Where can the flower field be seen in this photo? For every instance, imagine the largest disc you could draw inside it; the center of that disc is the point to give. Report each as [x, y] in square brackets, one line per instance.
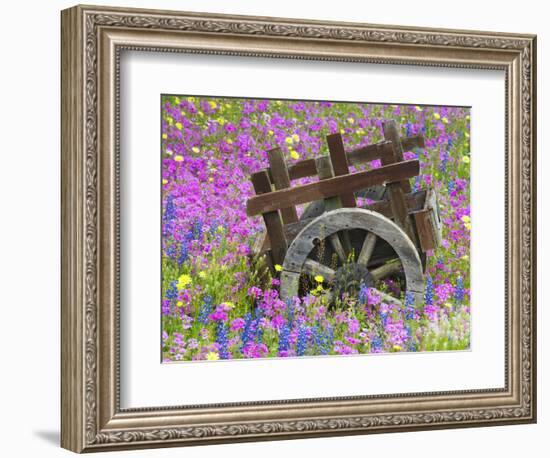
[214, 303]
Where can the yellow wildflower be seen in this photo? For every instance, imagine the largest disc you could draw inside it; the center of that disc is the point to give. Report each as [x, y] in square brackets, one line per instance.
[178, 158]
[437, 116]
[288, 140]
[202, 274]
[201, 114]
[468, 226]
[179, 125]
[278, 267]
[195, 149]
[319, 278]
[191, 99]
[210, 180]
[220, 229]
[164, 181]
[169, 120]
[179, 304]
[229, 304]
[342, 131]
[184, 280]
[467, 135]
[212, 104]
[294, 154]
[468, 117]
[418, 108]
[270, 132]
[444, 120]
[465, 219]
[229, 141]
[465, 257]
[466, 159]
[221, 121]
[177, 101]
[397, 348]
[351, 120]
[164, 136]
[296, 138]
[212, 356]
[448, 305]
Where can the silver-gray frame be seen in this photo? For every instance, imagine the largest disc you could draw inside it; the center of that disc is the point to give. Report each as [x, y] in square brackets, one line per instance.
[92, 40]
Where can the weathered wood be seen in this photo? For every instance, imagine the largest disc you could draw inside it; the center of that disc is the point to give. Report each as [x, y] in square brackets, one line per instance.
[314, 268]
[361, 155]
[386, 269]
[414, 141]
[325, 171]
[281, 180]
[391, 134]
[415, 202]
[272, 219]
[340, 166]
[330, 187]
[424, 230]
[353, 218]
[431, 203]
[397, 195]
[367, 249]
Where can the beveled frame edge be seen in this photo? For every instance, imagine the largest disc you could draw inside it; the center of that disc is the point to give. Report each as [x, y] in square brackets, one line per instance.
[91, 39]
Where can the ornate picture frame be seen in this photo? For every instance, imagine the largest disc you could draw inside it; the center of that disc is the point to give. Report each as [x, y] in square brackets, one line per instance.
[93, 39]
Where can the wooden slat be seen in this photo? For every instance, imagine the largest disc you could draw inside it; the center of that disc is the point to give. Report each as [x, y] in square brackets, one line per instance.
[340, 166]
[307, 168]
[397, 196]
[391, 134]
[415, 202]
[281, 180]
[272, 219]
[313, 268]
[324, 170]
[424, 229]
[414, 141]
[329, 188]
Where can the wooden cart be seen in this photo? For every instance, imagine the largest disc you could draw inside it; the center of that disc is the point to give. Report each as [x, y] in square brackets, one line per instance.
[346, 244]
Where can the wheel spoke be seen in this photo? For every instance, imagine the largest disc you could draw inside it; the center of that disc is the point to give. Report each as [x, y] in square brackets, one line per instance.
[313, 268]
[367, 249]
[384, 270]
[337, 247]
[386, 297]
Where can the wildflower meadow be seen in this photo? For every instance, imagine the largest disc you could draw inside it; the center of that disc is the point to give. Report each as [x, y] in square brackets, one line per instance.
[217, 302]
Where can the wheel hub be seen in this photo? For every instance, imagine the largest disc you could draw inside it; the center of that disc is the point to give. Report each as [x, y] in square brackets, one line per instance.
[349, 279]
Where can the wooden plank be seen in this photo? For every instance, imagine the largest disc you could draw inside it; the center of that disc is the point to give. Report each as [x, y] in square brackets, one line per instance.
[340, 166]
[415, 202]
[361, 155]
[391, 134]
[314, 268]
[324, 169]
[424, 229]
[412, 142]
[330, 187]
[272, 219]
[281, 180]
[397, 196]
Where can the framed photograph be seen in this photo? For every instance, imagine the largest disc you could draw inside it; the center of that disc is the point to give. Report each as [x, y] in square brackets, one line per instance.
[278, 228]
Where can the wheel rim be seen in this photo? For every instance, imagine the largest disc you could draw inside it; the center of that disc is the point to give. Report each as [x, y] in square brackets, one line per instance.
[327, 226]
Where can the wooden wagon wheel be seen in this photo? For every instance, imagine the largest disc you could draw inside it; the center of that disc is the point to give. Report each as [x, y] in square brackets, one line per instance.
[300, 257]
